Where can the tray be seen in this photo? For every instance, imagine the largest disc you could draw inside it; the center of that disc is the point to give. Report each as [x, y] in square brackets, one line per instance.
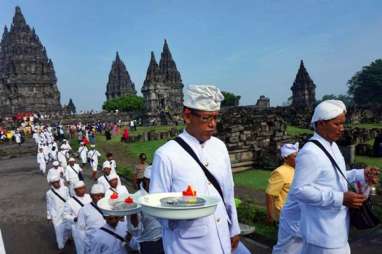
[151, 205]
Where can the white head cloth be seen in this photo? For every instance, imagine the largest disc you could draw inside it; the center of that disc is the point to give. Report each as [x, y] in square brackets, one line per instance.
[97, 189]
[72, 159]
[106, 164]
[203, 97]
[56, 163]
[327, 110]
[79, 184]
[288, 149]
[112, 176]
[92, 146]
[147, 172]
[54, 177]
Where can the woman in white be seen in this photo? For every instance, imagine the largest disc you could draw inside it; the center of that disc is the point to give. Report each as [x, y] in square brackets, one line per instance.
[82, 152]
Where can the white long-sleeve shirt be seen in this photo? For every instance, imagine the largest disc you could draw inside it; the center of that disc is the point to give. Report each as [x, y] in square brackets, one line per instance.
[41, 158]
[72, 207]
[319, 189]
[172, 171]
[121, 189]
[102, 242]
[89, 220]
[55, 206]
[103, 180]
[71, 173]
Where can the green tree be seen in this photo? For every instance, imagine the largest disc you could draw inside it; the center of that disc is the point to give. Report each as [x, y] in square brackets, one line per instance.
[124, 103]
[347, 100]
[366, 85]
[230, 99]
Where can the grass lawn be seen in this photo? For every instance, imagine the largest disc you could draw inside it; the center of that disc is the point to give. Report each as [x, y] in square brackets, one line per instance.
[256, 179]
[367, 125]
[371, 161]
[296, 131]
[148, 147]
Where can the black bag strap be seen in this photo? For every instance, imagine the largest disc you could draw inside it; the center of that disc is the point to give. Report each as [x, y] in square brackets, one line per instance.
[334, 163]
[113, 234]
[208, 174]
[97, 208]
[106, 178]
[58, 195]
[74, 170]
[79, 202]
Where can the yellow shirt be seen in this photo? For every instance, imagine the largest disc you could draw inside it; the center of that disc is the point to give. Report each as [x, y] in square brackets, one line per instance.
[278, 187]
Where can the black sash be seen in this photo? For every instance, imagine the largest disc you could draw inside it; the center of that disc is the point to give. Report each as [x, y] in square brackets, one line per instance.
[113, 234]
[106, 178]
[113, 190]
[208, 174]
[79, 202]
[58, 195]
[97, 208]
[80, 176]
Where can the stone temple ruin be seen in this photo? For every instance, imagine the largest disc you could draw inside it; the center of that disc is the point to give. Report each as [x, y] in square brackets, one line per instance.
[27, 76]
[163, 90]
[304, 95]
[119, 83]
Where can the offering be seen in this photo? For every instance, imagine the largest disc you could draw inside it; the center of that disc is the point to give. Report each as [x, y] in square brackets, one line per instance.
[188, 199]
[119, 205]
[175, 206]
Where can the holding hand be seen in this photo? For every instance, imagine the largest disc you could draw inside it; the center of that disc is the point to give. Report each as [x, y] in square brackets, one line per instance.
[353, 200]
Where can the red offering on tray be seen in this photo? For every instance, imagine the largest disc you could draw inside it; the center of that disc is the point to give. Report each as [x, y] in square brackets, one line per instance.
[114, 196]
[129, 200]
[189, 192]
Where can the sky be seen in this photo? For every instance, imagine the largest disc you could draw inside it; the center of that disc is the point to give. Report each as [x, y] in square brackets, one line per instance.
[248, 47]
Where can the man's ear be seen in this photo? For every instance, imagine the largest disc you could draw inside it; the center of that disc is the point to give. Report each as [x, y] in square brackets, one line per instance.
[187, 117]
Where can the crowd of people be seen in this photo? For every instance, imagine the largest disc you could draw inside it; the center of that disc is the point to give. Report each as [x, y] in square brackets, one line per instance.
[74, 213]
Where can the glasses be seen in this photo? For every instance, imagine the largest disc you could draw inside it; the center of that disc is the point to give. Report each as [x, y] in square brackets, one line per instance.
[205, 118]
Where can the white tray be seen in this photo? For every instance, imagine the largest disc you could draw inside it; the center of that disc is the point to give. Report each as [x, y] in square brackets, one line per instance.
[151, 205]
[105, 207]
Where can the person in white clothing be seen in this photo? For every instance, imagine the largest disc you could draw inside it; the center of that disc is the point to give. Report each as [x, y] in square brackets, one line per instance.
[114, 186]
[66, 148]
[320, 189]
[55, 201]
[90, 217]
[106, 169]
[82, 153]
[62, 159]
[113, 164]
[56, 169]
[71, 210]
[18, 138]
[174, 169]
[73, 174]
[53, 150]
[41, 160]
[93, 155]
[110, 238]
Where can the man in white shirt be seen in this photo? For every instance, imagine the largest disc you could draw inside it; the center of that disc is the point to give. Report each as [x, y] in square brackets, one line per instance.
[71, 210]
[82, 153]
[41, 160]
[55, 202]
[114, 186]
[66, 148]
[106, 169]
[110, 238]
[62, 159]
[113, 164]
[174, 169]
[56, 169]
[319, 189]
[90, 217]
[73, 174]
[93, 155]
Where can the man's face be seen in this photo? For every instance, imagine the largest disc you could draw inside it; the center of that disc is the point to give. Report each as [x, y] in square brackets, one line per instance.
[332, 129]
[291, 160]
[71, 163]
[97, 196]
[201, 124]
[112, 220]
[107, 171]
[113, 183]
[80, 192]
[56, 184]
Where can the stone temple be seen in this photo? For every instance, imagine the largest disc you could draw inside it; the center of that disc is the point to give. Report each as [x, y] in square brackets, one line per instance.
[27, 76]
[119, 83]
[163, 90]
[304, 90]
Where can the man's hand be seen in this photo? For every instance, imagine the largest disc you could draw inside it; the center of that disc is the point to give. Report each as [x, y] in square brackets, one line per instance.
[372, 175]
[235, 241]
[353, 200]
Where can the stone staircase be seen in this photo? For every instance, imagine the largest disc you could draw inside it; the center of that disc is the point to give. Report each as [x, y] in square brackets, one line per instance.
[12, 150]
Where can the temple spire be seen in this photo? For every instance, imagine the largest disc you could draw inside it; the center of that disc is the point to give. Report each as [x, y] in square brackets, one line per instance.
[152, 69]
[303, 88]
[168, 67]
[19, 20]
